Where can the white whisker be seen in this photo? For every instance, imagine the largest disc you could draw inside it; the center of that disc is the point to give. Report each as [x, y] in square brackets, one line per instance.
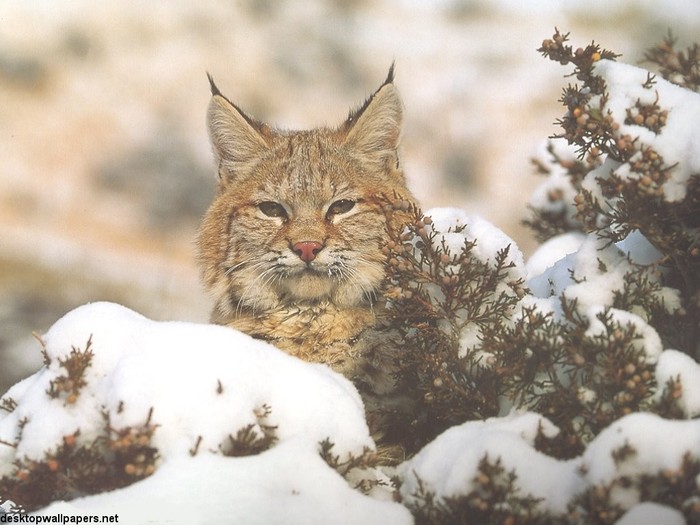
[250, 288]
[351, 273]
[235, 267]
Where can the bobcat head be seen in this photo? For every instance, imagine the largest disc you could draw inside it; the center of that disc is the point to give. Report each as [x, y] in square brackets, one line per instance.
[298, 218]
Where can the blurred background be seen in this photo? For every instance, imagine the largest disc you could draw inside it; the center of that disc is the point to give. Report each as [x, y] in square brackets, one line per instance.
[106, 170]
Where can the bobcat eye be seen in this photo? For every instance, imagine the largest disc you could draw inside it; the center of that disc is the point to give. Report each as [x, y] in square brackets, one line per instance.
[272, 209]
[339, 207]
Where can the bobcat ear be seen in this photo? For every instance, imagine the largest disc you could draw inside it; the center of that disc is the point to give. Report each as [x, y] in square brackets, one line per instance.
[237, 139]
[375, 128]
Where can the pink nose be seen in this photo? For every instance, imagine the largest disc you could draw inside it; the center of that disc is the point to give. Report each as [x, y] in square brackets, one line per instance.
[307, 250]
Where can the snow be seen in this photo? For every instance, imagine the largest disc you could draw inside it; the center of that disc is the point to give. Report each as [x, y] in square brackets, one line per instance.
[203, 382]
[639, 249]
[592, 276]
[647, 341]
[449, 464]
[129, 349]
[552, 251]
[489, 239]
[658, 444]
[651, 514]
[675, 365]
[676, 142]
[596, 272]
[289, 483]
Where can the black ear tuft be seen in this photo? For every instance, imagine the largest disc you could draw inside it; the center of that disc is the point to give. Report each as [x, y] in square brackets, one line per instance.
[215, 90]
[355, 113]
[390, 76]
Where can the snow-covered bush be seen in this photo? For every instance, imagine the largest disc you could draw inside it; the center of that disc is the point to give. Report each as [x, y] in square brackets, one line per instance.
[598, 333]
[122, 398]
[561, 390]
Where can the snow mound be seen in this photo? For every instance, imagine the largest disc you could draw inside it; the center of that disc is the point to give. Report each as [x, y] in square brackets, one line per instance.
[633, 446]
[449, 464]
[552, 251]
[199, 385]
[454, 226]
[289, 483]
[677, 366]
[619, 459]
[651, 514]
[596, 272]
[677, 142]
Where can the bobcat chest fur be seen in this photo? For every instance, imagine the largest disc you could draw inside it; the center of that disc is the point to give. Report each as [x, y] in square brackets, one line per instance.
[290, 248]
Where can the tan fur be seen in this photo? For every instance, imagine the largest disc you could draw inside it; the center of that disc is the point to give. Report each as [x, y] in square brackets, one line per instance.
[321, 310]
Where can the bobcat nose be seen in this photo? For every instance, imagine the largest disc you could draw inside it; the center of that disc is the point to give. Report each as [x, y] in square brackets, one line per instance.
[307, 250]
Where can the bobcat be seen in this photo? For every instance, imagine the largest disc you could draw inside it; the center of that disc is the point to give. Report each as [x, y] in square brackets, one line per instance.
[291, 247]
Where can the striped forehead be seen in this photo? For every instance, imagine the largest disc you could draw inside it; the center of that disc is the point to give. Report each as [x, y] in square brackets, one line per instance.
[308, 169]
